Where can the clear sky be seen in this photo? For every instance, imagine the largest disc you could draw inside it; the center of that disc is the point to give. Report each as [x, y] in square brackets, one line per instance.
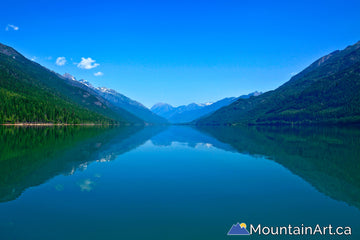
[179, 51]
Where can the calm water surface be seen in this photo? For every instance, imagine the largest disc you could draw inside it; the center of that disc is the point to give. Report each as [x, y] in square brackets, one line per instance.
[175, 182]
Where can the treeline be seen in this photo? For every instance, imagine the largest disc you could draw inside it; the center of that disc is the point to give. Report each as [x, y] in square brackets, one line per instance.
[16, 108]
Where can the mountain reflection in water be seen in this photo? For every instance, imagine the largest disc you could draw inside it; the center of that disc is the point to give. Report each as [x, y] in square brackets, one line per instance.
[200, 179]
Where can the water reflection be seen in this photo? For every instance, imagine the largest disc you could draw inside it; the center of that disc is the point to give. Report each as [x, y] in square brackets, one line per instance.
[31, 156]
[171, 178]
[328, 158]
[86, 185]
[188, 135]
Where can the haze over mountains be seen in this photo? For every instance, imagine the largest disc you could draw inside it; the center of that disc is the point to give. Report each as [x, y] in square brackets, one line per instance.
[188, 113]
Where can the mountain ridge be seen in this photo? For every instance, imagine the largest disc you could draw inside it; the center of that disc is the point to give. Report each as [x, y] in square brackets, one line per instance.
[119, 100]
[192, 111]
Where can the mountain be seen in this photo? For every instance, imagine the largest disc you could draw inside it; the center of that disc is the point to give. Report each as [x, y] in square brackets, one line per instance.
[253, 94]
[32, 93]
[188, 113]
[162, 109]
[131, 106]
[118, 100]
[88, 87]
[327, 92]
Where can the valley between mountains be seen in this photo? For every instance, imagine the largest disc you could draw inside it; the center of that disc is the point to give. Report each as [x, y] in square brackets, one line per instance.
[326, 92]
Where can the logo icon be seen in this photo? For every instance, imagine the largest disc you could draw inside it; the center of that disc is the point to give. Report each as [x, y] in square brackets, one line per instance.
[238, 229]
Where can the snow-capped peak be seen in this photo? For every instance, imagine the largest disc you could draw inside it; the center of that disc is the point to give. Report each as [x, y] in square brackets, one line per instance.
[86, 83]
[69, 76]
[105, 90]
[203, 104]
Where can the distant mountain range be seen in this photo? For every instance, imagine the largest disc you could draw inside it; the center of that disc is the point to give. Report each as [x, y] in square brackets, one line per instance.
[327, 92]
[188, 113]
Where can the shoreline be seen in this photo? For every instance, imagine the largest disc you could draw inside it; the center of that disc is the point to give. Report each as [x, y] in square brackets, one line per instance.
[53, 124]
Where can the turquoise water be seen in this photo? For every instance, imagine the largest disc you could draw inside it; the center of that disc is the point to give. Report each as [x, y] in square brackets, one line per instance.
[176, 182]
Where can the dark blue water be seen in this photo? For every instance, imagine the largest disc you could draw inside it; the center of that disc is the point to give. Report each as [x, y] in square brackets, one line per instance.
[176, 182]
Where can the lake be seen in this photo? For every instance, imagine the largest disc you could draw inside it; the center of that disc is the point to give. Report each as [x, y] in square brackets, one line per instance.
[176, 182]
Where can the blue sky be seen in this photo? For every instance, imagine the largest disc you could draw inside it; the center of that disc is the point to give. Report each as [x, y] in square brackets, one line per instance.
[179, 51]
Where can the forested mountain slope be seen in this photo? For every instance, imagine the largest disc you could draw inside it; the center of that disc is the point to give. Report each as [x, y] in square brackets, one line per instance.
[32, 93]
[327, 92]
